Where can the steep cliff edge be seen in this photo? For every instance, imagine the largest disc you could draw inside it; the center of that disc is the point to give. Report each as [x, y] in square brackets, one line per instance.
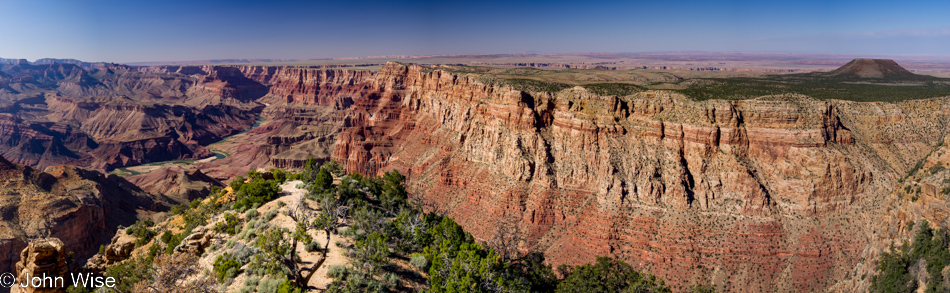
[77, 206]
[304, 113]
[776, 193]
[177, 183]
[117, 115]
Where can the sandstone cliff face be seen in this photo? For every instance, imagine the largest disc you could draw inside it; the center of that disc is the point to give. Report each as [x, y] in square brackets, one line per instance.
[304, 114]
[780, 193]
[62, 113]
[922, 194]
[771, 194]
[78, 206]
[176, 182]
[43, 257]
[310, 87]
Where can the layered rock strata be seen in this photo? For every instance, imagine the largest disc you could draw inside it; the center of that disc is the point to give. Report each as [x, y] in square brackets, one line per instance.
[304, 114]
[776, 193]
[117, 116]
[42, 258]
[76, 205]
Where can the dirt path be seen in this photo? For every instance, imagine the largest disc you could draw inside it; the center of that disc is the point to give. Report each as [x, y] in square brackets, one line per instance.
[320, 281]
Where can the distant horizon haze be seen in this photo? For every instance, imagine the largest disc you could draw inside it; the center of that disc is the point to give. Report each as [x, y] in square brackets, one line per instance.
[157, 31]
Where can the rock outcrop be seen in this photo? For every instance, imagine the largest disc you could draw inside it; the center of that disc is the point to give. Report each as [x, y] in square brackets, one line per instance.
[119, 249]
[304, 114]
[197, 242]
[42, 258]
[770, 194]
[83, 208]
[116, 116]
[780, 193]
[176, 182]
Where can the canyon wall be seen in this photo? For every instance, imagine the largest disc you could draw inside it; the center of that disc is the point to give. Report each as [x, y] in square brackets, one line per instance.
[76, 205]
[780, 193]
[304, 113]
[117, 116]
[776, 193]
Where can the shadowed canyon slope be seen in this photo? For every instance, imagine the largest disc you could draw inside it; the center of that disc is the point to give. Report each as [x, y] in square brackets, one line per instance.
[76, 205]
[779, 193]
[116, 116]
[776, 193]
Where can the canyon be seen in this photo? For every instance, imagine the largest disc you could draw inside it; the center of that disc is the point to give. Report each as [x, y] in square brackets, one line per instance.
[77, 205]
[777, 193]
[115, 115]
[782, 192]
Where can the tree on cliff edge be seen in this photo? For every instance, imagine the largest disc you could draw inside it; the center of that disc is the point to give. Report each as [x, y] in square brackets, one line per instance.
[280, 245]
[610, 275]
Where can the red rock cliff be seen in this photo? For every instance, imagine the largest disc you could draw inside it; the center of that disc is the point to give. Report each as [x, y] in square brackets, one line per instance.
[759, 195]
[78, 206]
[304, 114]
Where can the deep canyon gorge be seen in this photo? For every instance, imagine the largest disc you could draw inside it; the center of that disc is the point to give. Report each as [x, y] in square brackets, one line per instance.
[783, 192]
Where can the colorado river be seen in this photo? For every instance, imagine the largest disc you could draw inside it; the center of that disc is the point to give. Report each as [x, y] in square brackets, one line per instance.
[149, 167]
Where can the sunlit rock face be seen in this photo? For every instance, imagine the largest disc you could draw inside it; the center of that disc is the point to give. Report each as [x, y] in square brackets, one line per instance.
[776, 193]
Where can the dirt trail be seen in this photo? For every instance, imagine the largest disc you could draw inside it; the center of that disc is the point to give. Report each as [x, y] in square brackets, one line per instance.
[320, 281]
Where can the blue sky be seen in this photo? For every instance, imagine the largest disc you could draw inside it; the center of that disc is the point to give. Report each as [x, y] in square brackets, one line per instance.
[165, 30]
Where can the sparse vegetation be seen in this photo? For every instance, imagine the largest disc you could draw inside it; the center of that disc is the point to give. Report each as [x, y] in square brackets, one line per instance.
[614, 89]
[392, 245]
[817, 86]
[532, 85]
[608, 275]
[142, 231]
[927, 254]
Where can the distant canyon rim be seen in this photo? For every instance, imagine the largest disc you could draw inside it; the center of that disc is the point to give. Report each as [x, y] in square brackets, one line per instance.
[781, 192]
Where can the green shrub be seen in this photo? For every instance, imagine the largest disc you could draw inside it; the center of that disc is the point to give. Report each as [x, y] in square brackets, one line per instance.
[268, 285]
[225, 267]
[312, 246]
[251, 282]
[251, 214]
[237, 182]
[287, 287]
[231, 224]
[171, 241]
[391, 279]
[258, 191]
[129, 272]
[337, 272]
[269, 215]
[243, 253]
[609, 275]
[280, 175]
[419, 261]
[142, 231]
